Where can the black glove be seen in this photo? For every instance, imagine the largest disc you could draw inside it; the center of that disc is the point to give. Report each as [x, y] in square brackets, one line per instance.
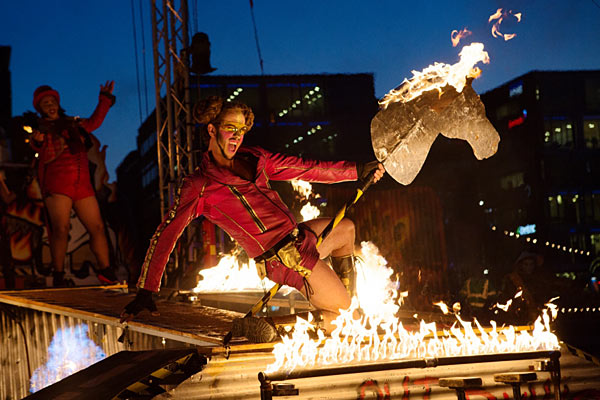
[363, 170]
[111, 97]
[143, 300]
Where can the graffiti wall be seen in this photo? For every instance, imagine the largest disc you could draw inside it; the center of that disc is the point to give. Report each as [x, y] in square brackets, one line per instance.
[24, 224]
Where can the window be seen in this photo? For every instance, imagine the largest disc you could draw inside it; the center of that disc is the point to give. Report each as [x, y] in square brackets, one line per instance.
[289, 101]
[558, 132]
[591, 133]
[247, 93]
[149, 174]
[592, 94]
[592, 206]
[148, 143]
[512, 181]
[595, 240]
[507, 110]
[555, 207]
[565, 207]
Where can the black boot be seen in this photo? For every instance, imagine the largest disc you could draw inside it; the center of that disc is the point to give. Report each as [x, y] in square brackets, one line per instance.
[255, 329]
[345, 270]
[58, 279]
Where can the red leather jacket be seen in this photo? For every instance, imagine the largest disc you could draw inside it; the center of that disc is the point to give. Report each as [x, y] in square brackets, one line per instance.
[251, 212]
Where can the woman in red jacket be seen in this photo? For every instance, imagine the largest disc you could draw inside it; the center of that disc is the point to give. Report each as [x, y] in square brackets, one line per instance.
[63, 173]
[231, 188]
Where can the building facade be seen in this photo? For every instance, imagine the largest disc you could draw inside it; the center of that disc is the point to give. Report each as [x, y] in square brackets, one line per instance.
[542, 188]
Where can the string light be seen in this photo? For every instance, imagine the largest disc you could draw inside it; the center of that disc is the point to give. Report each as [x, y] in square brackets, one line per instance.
[547, 243]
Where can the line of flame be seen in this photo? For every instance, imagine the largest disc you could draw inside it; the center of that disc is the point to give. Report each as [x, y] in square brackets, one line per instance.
[379, 335]
[438, 75]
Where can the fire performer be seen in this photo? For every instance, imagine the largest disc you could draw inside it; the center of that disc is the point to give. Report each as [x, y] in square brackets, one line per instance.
[231, 188]
[63, 173]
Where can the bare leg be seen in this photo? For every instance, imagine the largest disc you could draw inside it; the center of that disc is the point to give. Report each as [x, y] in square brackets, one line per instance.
[339, 242]
[59, 210]
[88, 212]
[329, 294]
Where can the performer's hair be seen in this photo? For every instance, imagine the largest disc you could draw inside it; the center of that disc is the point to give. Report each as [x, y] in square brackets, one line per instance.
[211, 109]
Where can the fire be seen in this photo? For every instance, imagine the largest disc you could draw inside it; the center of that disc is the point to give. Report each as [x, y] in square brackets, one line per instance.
[379, 335]
[505, 307]
[20, 246]
[309, 212]
[456, 36]
[30, 211]
[71, 350]
[499, 16]
[27, 129]
[304, 189]
[438, 75]
[231, 275]
[376, 291]
[442, 307]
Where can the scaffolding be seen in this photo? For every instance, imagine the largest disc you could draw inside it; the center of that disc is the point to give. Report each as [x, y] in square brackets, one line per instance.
[170, 44]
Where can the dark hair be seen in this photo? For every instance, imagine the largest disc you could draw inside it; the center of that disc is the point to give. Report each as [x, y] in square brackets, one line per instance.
[211, 109]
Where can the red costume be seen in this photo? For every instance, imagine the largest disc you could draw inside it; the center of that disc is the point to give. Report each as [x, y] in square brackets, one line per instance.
[250, 211]
[63, 164]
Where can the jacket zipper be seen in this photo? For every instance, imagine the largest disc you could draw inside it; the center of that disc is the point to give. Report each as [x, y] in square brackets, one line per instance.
[275, 204]
[248, 208]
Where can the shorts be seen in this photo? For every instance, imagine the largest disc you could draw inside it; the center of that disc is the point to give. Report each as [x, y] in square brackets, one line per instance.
[68, 175]
[306, 243]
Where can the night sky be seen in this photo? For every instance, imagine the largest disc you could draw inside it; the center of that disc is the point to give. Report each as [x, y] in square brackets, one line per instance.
[76, 45]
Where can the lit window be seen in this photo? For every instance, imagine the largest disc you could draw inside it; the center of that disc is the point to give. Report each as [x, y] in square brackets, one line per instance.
[558, 132]
[591, 133]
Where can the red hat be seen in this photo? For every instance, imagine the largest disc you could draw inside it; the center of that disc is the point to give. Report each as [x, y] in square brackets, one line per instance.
[42, 92]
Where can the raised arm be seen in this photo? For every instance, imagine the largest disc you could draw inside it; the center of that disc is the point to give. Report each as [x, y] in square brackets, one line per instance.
[105, 101]
[280, 167]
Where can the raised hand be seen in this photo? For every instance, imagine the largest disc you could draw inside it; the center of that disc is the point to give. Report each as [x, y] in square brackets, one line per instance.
[108, 87]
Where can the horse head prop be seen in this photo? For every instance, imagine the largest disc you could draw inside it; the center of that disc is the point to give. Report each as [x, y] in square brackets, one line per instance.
[402, 133]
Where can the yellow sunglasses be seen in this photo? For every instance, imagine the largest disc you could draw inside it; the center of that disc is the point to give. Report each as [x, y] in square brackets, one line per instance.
[234, 128]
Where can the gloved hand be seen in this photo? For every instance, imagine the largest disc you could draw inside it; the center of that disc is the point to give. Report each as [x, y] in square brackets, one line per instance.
[363, 170]
[143, 300]
[107, 91]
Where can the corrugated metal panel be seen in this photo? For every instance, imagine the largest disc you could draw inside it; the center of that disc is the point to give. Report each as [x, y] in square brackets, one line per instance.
[405, 223]
[26, 335]
[236, 378]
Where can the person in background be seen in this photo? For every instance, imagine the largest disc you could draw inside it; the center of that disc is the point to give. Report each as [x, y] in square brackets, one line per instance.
[64, 177]
[231, 188]
[537, 283]
[478, 293]
[6, 197]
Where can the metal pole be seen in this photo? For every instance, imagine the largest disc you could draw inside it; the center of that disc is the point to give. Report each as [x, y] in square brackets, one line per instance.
[404, 364]
[158, 34]
[555, 376]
